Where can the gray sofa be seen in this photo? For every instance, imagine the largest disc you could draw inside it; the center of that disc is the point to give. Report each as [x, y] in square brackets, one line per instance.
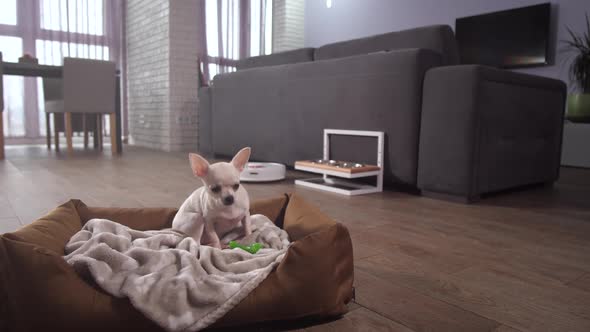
[459, 130]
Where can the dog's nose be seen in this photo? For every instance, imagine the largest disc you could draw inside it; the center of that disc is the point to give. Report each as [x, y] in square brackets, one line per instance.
[228, 200]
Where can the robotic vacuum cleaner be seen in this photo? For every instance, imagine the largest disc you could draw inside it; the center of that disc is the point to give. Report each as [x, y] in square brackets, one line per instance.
[263, 172]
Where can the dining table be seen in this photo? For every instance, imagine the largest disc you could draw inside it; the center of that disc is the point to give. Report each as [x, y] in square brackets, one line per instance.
[49, 71]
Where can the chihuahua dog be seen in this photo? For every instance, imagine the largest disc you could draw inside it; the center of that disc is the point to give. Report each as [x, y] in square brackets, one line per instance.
[219, 206]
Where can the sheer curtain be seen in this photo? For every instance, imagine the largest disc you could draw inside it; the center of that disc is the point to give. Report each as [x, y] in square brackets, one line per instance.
[231, 30]
[51, 30]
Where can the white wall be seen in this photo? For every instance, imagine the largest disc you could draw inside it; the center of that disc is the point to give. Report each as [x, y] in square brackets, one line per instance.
[358, 18]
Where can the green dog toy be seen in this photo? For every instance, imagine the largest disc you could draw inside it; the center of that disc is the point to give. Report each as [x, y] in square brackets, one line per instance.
[253, 248]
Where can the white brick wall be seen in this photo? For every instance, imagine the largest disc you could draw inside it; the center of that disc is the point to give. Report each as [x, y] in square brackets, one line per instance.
[162, 73]
[288, 25]
[183, 75]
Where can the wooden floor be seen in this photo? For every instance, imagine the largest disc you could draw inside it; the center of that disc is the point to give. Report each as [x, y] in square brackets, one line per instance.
[513, 262]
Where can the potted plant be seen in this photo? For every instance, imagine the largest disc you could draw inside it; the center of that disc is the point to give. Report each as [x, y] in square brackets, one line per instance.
[579, 103]
[28, 58]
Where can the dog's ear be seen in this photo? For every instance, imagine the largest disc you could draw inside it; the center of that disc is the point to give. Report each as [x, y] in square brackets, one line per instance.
[199, 164]
[241, 158]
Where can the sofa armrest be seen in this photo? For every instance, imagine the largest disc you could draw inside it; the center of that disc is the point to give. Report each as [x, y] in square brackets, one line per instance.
[485, 130]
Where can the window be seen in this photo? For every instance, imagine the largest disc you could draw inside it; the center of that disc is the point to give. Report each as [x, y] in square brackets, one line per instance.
[52, 30]
[212, 35]
[51, 52]
[260, 20]
[229, 28]
[12, 49]
[74, 16]
[8, 12]
[226, 42]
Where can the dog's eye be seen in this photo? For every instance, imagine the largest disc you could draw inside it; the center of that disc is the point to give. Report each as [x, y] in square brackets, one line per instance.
[216, 189]
[236, 186]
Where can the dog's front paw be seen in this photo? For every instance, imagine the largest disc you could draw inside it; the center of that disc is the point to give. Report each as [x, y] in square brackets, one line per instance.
[247, 225]
[247, 228]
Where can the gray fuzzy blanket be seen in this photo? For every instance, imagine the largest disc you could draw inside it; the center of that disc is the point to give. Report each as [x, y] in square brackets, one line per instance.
[173, 280]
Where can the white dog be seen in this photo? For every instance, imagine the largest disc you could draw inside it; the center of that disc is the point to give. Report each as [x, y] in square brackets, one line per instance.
[219, 206]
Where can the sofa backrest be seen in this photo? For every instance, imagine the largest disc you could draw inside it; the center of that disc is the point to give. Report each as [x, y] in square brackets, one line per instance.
[281, 58]
[439, 38]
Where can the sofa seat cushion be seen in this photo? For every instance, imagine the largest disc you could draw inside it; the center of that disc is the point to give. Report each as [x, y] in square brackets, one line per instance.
[43, 292]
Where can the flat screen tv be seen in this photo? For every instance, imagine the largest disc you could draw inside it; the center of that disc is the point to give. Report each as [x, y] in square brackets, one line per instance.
[507, 39]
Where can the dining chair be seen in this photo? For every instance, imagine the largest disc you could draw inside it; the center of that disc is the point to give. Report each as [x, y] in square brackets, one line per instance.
[1, 108]
[54, 104]
[87, 93]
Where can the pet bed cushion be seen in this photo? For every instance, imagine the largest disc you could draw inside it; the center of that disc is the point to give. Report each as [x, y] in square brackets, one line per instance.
[40, 291]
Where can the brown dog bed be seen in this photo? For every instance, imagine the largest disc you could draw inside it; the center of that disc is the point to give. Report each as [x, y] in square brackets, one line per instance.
[40, 291]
